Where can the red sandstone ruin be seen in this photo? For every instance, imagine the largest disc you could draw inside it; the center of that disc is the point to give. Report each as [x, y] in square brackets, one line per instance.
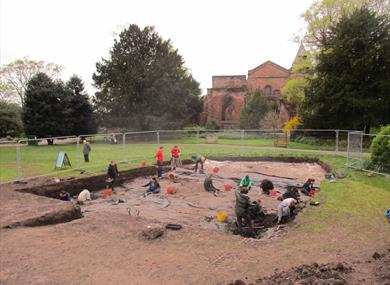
[224, 101]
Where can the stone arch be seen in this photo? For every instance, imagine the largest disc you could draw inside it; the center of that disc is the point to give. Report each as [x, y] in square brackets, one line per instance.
[227, 108]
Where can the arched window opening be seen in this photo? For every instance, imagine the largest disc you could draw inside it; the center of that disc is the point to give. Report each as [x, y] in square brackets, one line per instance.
[267, 90]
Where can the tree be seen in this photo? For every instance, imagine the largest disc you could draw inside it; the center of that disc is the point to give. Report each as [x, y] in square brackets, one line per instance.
[323, 14]
[10, 119]
[293, 91]
[47, 112]
[83, 119]
[350, 89]
[144, 84]
[15, 76]
[271, 121]
[380, 149]
[254, 111]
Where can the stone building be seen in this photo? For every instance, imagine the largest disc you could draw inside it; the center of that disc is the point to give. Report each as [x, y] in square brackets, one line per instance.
[225, 99]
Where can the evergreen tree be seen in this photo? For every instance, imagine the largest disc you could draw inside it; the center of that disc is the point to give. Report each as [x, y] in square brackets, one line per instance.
[10, 119]
[254, 111]
[83, 120]
[351, 85]
[144, 84]
[46, 111]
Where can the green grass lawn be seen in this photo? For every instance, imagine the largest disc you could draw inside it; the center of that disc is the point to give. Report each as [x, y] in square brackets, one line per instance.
[40, 160]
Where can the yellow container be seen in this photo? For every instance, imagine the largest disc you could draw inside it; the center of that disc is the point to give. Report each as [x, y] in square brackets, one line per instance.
[221, 216]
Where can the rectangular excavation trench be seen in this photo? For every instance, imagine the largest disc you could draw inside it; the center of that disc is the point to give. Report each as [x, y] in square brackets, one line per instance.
[177, 201]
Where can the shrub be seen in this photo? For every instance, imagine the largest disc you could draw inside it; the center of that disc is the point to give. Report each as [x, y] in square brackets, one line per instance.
[292, 124]
[212, 125]
[380, 149]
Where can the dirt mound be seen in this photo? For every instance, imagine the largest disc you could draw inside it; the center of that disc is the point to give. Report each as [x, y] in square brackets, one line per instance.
[383, 267]
[374, 271]
[325, 274]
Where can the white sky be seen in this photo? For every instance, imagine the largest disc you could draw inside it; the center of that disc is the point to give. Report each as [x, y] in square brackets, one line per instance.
[215, 37]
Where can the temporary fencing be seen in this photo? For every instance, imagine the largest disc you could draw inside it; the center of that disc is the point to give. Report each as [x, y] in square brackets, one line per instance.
[34, 157]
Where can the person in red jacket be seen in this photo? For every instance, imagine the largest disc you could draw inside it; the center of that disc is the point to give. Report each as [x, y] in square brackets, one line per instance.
[175, 157]
[159, 160]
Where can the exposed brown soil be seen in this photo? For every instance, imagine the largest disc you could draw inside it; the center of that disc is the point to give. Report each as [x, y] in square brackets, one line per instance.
[105, 246]
[331, 273]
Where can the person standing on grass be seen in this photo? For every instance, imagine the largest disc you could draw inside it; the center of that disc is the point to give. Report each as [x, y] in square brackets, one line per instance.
[112, 173]
[159, 160]
[175, 157]
[86, 150]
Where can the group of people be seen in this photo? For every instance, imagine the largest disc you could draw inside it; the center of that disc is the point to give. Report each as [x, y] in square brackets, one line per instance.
[245, 209]
[175, 160]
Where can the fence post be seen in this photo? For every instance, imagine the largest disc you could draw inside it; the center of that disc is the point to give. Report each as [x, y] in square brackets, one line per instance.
[78, 153]
[337, 140]
[158, 137]
[18, 166]
[288, 137]
[242, 141]
[124, 148]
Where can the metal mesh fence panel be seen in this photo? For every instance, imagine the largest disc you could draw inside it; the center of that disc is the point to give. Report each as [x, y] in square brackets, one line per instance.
[313, 139]
[355, 156]
[35, 157]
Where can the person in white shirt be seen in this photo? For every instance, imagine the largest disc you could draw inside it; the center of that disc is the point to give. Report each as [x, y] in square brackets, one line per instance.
[284, 209]
[84, 195]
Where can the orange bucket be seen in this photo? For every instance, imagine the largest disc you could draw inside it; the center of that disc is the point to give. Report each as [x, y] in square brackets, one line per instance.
[107, 193]
[228, 187]
[143, 164]
[171, 190]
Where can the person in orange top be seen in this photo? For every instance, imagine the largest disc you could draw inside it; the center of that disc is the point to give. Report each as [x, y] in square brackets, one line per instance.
[159, 160]
[175, 157]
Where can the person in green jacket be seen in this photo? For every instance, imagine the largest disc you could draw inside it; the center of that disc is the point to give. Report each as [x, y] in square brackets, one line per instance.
[243, 203]
[246, 182]
[198, 159]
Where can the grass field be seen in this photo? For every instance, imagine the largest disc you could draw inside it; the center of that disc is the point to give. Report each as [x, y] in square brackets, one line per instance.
[40, 160]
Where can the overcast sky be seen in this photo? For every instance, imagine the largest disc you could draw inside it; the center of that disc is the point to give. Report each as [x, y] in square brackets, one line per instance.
[215, 37]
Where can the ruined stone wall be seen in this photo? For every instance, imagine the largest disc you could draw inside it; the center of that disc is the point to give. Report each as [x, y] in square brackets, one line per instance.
[215, 103]
[234, 81]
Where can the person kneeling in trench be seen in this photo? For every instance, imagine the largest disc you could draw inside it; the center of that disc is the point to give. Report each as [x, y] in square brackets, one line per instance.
[243, 204]
[208, 185]
[84, 196]
[285, 209]
[154, 187]
[246, 182]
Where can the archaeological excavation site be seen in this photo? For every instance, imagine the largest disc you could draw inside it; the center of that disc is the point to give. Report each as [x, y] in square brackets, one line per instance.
[181, 235]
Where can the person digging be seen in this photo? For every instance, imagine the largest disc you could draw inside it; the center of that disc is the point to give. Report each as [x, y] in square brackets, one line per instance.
[154, 187]
[243, 204]
[208, 185]
[285, 210]
[266, 185]
[246, 182]
[198, 159]
[308, 187]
